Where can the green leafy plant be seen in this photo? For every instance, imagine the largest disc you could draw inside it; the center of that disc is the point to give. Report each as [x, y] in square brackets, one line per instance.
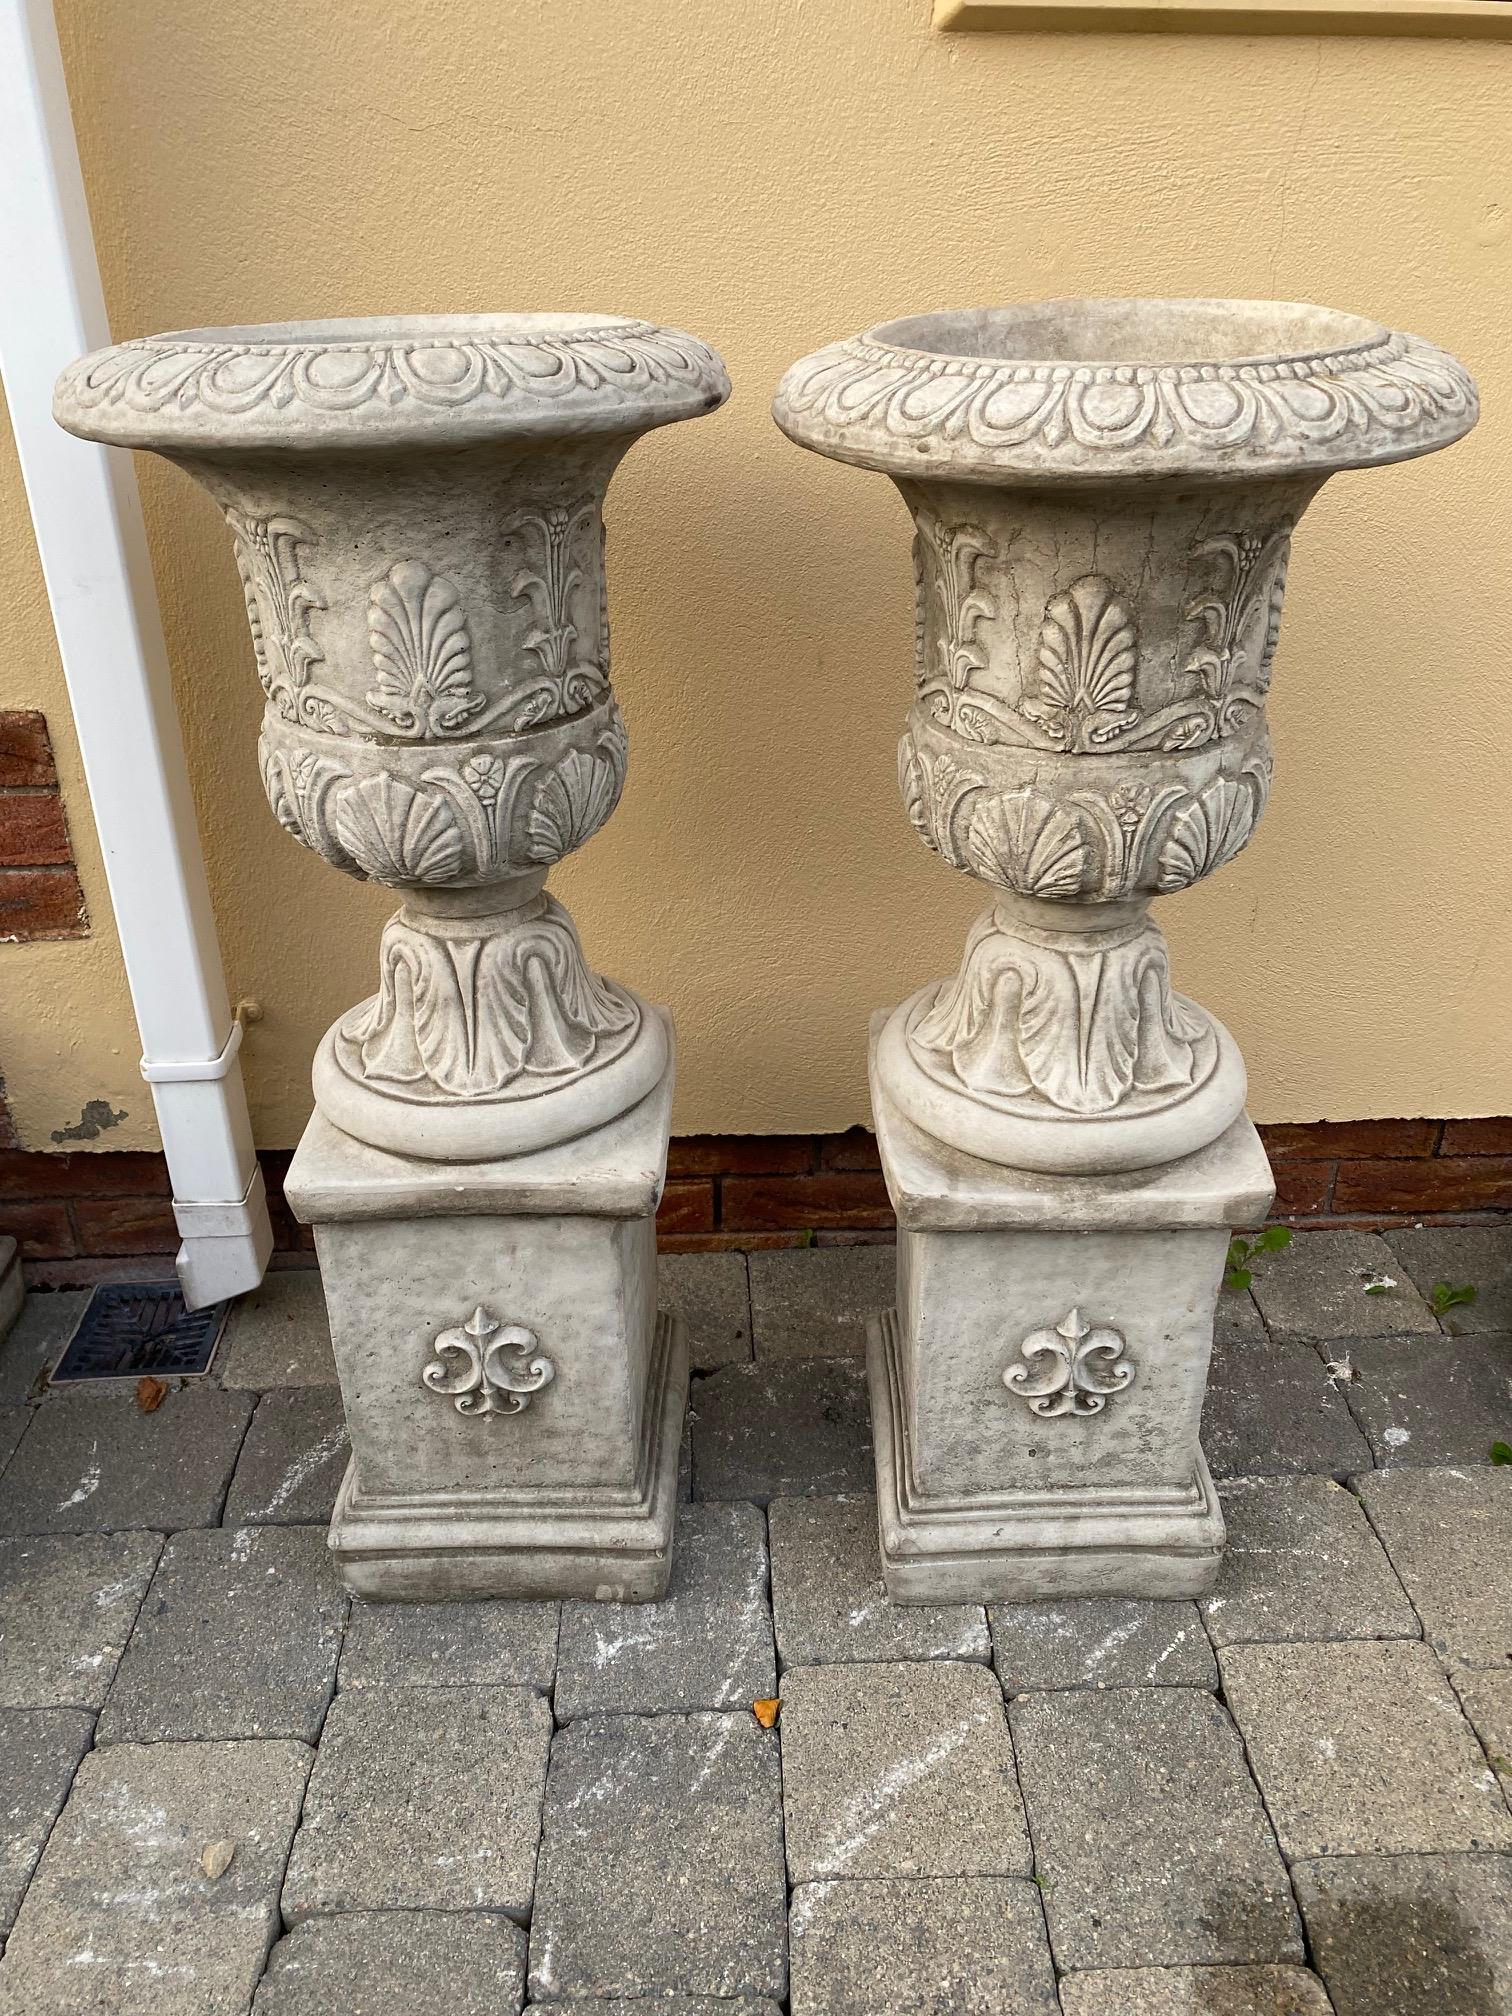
[1501, 1452]
[1446, 1297]
[1238, 1272]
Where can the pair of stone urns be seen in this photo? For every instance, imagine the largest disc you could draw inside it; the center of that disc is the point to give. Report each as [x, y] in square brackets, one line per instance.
[1104, 493]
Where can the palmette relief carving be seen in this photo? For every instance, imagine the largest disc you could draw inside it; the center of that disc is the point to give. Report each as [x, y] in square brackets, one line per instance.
[422, 653]
[1086, 665]
[1080, 1024]
[1086, 1366]
[1081, 688]
[487, 1367]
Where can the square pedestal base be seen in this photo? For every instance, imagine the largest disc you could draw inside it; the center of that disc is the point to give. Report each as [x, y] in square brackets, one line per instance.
[1019, 1546]
[514, 1401]
[433, 1545]
[1037, 1392]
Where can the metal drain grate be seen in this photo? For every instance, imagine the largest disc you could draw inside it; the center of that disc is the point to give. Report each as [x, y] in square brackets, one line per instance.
[132, 1327]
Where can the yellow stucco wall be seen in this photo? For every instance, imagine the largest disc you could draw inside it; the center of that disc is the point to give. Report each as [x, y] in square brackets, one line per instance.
[772, 174]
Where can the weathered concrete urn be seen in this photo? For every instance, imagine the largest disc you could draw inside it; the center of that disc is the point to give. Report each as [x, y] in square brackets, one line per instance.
[1104, 493]
[416, 509]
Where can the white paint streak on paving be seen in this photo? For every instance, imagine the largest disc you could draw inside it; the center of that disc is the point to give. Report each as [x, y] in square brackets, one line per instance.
[89, 1483]
[306, 1464]
[1119, 1635]
[865, 1815]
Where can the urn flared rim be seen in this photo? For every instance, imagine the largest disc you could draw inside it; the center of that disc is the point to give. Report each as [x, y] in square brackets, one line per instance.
[1085, 391]
[370, 383]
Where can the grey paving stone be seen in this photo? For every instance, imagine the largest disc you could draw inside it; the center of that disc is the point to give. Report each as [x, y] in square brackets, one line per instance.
[292, 1462]
[423, 1798]
[1236, 1320]
[827, 1596]
[450, 1645]
[121, 1918]
[278, 1335]
[94, 1463]
[13, 1425]
[1449, 1536]
[967, 1946]
[713, 1297]
[1149, 1835]
[1433, 1399]
[1301, 1561]
[396, 1963]
[1195, 1991]
[1476, 1256]
[1361, 1749]
[1271, 1411]
[1100, 1642]
[708, 1645]
[67, 1605]
[40, 1749]
[1414, 1935]
[817, 1299]
[1487, 1701]
[903, 1769]
[661, 1862]
[1316, 1289]
[37, 1340]
[657, 2005]
[238, 1638]
[794, 1428]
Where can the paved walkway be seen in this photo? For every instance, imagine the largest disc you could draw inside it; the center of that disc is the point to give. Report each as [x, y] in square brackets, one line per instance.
[1289, 1799]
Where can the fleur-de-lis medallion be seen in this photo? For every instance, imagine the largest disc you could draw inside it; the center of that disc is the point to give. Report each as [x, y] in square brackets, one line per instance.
[496, 1367]
[1082, 1372]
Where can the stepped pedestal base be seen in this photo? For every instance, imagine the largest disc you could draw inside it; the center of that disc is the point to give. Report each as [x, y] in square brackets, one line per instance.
[1036, 1394]
[514, 1400]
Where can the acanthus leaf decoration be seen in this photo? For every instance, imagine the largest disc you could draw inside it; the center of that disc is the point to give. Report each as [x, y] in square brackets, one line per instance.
[494, 1368]
[279, 604]
[1086, 1365]
[1239, 622]
[1000, 1027]
[556, 585]
[422, 653]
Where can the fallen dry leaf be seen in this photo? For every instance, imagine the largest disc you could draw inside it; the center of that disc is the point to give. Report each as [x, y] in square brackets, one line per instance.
[151, 1393]
[216, 1858]
[766, 1712]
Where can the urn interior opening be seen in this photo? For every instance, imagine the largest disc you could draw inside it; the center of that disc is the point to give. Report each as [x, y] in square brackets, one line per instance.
[1137, 331]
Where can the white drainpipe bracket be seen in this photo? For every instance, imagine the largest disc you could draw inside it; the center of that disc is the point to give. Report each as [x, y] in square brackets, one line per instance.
[197, 1070]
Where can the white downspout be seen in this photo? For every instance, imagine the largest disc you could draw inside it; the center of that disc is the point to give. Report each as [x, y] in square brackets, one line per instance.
[88, 519]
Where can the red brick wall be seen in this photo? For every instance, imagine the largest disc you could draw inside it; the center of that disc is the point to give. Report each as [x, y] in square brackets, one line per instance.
[40, 895]
[74, 1213]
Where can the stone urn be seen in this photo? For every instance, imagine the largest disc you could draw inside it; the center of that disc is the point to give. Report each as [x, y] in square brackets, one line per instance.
[1104, 494]
[416, 510]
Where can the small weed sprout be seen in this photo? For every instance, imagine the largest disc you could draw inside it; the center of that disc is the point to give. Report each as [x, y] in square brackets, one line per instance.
[1238, 1272]
[1446, 1297]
